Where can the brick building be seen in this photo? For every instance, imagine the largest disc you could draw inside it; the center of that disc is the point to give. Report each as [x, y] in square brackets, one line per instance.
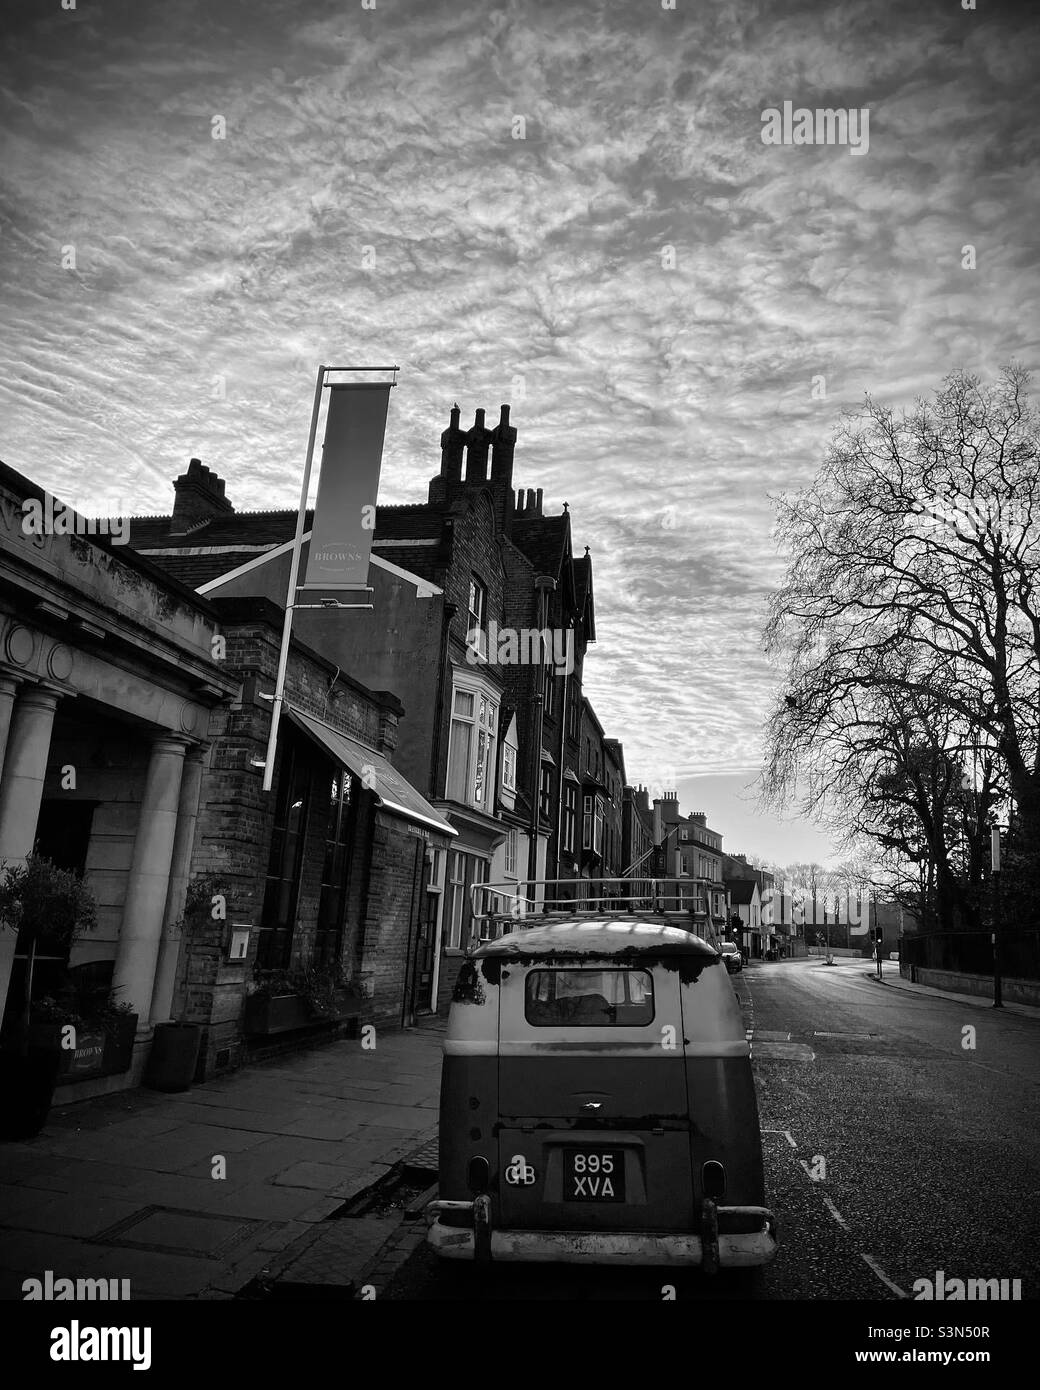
[490, 740]
[637, 831]
[689, 849]
[110, 706]
[133, 719]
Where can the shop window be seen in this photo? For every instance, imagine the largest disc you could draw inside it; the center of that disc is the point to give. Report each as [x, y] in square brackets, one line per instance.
[335, 876]
[285, 863]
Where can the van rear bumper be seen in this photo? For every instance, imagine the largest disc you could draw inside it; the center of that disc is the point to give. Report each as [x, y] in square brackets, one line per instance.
[743, 1251]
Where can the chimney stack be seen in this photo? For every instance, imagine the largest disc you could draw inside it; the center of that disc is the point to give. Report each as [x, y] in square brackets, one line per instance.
[503, 443]
[478, 441]
[198, 496]
[453, 441]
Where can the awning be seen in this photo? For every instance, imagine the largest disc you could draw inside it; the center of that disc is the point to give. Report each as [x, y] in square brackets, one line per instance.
[392, 791]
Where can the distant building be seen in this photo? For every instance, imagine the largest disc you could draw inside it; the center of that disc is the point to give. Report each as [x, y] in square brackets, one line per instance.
[688, 849]
[637, 831]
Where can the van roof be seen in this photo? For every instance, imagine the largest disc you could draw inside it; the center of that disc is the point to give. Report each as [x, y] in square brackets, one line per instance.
[606, 936]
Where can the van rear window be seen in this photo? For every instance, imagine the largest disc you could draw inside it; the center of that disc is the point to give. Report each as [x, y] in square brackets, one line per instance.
[589, 998]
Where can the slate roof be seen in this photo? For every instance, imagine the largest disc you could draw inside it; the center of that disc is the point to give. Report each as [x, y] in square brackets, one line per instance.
[249, 530]
[543, 540]
[741, 891]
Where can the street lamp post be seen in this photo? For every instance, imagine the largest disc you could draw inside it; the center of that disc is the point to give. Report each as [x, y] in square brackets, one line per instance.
[994, 851]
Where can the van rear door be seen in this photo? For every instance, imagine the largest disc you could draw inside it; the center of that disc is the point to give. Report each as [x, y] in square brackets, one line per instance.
[594, 1131]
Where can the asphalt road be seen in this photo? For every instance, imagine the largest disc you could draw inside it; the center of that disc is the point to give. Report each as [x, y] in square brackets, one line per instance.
[929, 1148]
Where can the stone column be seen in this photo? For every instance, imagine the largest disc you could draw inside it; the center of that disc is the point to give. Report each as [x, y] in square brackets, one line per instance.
[149, 881]
[184, 843]
[8, 689]
[21, 791]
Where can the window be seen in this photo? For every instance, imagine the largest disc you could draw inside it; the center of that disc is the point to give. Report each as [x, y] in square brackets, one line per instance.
[510, 852]
[473, 721]
[335, 874]
[282, 889]
[456, 897]
[509, 767]
[550, 691]
[463, 871]
[684, 864]
[570, 816]
[589, 998]
[573, 717]
[545, 793]
[477, 605]
[592, 824]
[684, 834]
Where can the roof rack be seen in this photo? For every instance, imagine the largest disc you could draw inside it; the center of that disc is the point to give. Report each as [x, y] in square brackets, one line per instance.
[535, 902]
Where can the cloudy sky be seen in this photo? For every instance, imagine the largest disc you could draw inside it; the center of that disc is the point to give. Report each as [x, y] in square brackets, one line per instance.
[651, 287]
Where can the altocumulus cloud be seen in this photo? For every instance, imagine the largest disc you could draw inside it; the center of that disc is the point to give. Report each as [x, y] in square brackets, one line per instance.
[651, 287]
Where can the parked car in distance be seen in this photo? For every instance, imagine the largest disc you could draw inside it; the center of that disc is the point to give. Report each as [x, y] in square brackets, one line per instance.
[731, 955]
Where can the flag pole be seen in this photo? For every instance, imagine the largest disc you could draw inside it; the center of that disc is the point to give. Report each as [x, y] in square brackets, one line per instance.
[290, 598]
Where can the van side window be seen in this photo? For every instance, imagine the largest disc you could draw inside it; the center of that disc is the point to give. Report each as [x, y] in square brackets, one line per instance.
[589, 998]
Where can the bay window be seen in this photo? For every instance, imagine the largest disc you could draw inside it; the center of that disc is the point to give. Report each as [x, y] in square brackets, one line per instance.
[471, 748]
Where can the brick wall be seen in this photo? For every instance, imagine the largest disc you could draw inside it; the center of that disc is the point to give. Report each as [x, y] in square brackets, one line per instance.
[233, 837]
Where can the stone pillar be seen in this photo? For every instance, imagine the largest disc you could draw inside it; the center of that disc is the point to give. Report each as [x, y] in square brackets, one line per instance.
[21, 791]
[184, 843]
[149, 881]
[8, 689]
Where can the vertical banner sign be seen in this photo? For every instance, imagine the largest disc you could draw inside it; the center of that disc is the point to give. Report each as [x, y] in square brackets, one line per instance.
[344, 511]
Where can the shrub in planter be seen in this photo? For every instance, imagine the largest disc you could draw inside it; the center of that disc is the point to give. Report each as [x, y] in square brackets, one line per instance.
[48, 907]
[283, 1000]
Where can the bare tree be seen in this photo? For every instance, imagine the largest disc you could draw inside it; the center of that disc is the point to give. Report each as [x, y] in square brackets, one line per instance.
[909, 625]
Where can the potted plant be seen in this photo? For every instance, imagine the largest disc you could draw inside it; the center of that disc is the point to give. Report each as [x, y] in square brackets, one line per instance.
[104, 1029]
[48, 907]
[281, 1001]
[174, 1055]
[328, 995]
[274, 1004]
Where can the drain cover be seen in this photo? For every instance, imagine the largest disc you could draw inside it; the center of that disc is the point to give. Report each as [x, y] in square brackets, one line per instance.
[173, 1231]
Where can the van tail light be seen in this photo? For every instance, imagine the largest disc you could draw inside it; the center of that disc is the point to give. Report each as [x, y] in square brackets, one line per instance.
[713, 1179]
[478, 1175]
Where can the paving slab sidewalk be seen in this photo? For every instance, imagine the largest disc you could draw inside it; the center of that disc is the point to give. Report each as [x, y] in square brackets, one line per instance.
[193, 1195]
[978, 1001]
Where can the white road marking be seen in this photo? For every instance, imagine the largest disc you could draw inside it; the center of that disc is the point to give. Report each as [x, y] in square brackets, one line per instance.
[785, 1132]
[883, 1276]
[854, 1037]
[835, 1213]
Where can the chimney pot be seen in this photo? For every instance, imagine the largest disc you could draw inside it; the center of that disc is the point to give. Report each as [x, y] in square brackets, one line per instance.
[199, 496]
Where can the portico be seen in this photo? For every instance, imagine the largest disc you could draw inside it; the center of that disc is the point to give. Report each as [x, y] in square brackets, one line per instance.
[109, 680]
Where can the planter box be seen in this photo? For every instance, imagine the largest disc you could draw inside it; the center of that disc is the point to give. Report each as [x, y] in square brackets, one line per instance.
[285, 1013]
[279, 1013]
[346, 1004]
[96, 1053]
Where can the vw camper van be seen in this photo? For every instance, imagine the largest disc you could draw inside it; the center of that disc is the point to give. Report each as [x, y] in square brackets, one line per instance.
[597, 1100]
